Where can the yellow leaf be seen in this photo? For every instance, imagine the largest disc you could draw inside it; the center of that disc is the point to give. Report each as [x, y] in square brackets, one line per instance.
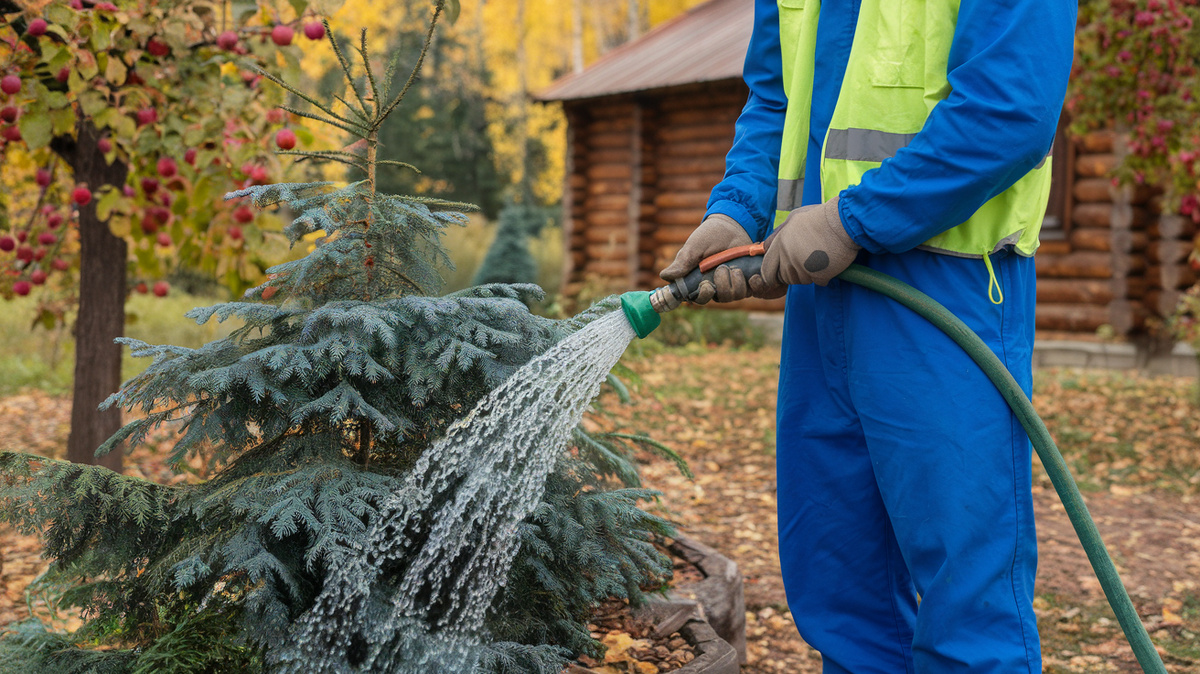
[229, 69]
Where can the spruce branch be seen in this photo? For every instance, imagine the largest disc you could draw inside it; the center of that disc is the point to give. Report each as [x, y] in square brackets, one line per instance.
[412, 77]
[354, 130]
[390, 162]
[358, 113]
[390, 74]
[300, 94]
[366, 59]
[345, 64]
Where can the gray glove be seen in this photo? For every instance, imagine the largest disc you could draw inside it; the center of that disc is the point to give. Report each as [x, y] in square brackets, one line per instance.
[811, 246]
[717, 233]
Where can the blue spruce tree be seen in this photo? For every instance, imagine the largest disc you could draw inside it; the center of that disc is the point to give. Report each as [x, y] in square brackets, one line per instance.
[346, 369]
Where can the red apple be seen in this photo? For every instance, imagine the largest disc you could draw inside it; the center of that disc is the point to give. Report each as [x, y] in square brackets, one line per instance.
[10, 84]
[77, 5]
[22, 236]
[105, 6]
[81, 195]
[142, 288]
[149, 186]
[189, 156]
[227, 40]
[11, 133]
[7, 244]
[128, 190]
[147, 116]
[161, 288]
[47, 239]
[274, 116]
[22, 288]
[157, 47]
[259, 174]
[36, 28]
[43, 177]
[164, 239]
[282, 35]
[167, 167]
[314, 30]
[105, 145]
[285, 139]
[149, 223]
[60, 264]
[63, 74]
[9, 113]
[24, 253]
[54, 221]
[243, 214]
[39, 253]
[37, 277]
[235, 232]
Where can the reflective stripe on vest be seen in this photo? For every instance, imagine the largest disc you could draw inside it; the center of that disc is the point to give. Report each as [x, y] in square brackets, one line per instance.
[895, 76]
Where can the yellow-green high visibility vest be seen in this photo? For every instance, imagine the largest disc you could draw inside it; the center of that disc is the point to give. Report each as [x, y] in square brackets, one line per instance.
[895, 76]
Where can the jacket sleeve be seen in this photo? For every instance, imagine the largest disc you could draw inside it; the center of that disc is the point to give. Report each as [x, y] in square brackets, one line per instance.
[1008, 69]
[747, 192]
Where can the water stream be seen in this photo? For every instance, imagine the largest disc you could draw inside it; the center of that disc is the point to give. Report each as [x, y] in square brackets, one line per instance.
[451, 533]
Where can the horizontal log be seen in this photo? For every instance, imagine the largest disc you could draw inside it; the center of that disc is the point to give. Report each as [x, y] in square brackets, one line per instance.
[1162, 302]
[690, 165]
[699, 116]
[608, 139]
[596, 187]
[693, 183]
[1172, 227]
[606, 220]
[1170, 276]
[1092, 215]
[614, 122]
[713, 99]
[609, 171]
[1088, 264]
[617, 155]
[697, 199]
[607, 251]
[1054, 247]
[1070, 317]
[696, 148]
[676, 234]
[1095, 165]
[1091, 238]
[1090, 190]
[689, 217]
[711, 131]
[1171, 251]
[577, 180]
[608, 202]
[577, 258]
[1142, 195]
[618, 268]
[600, 112]
[1074, 291]
[1136, 287]
[1096, 141]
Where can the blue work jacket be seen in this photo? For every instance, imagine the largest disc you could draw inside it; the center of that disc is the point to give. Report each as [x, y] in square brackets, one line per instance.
[1007, 68]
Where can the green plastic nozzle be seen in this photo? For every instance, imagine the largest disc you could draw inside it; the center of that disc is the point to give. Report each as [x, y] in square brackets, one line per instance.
[641, 315]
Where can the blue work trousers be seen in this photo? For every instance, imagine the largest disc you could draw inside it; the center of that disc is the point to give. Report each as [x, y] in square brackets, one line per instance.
[906, 530]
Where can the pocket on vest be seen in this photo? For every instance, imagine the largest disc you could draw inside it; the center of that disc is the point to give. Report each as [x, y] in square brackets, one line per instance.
[899, 36]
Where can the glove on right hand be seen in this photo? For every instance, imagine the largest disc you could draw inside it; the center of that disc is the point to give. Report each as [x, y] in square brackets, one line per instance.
[716, 234]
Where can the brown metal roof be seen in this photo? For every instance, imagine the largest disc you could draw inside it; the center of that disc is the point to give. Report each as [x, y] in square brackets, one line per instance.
[706, 44]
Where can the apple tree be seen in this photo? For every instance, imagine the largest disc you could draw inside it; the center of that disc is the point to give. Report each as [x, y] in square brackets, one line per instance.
[127, 122]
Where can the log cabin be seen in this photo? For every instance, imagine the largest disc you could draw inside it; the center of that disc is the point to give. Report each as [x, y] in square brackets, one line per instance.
[648, 127]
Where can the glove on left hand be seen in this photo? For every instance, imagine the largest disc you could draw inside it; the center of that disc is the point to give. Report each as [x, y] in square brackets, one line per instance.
[811, 246]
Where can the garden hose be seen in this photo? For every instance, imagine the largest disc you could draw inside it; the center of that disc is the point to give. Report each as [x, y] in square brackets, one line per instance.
[642, 309]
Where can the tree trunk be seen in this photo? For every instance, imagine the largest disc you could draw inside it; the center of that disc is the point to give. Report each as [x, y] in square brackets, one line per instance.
[101, 319]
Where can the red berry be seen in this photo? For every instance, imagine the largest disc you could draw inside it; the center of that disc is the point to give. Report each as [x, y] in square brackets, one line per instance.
[157, 47]
[149, 186]
[63, 74]
[134, 79]
[77, 5]
[161, 288]
[54, 221]
[235, 232]
[12, 133]
[38, 277]
[282, 35]
[10, 84]
[164, 239]
[274, 116]
[7, 243]
[22, 288]
[47, 239]
[147, 116]
[60, 264]
[189, 156]
[149, 223]
[243, 214]
[105, 145]
[259, 174]
[36, 27]
[43, 177]
[142, 288]
[22, 236]
[81, 195]
[285, 139]
[167, 167]
[9, 113]
[105, 6]
[39, 254]
[227, 40]
[127, 190]
[314, 30]
[24, 253]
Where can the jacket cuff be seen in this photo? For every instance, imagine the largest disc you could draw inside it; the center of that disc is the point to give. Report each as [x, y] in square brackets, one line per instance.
[739, 214]
[854, 227]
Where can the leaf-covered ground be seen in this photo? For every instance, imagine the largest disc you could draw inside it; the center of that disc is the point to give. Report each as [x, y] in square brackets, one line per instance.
[1133, 442]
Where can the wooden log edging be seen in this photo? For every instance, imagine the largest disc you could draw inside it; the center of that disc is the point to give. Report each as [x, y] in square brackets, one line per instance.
[720, 593]
[714, 655]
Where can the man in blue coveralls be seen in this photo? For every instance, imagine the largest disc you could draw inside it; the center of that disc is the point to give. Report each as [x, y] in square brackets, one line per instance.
[911, 136]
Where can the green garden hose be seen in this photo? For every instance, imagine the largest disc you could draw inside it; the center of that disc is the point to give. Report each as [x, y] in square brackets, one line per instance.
[642, 309]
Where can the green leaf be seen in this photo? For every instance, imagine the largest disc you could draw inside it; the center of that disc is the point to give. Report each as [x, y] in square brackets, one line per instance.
[452, 8]
[87, 64]
[92, 102]
[62, 121]
[304, 135]
[101, 39]
[299, 6]
[115, 71]
[62, 15]
[107, 202]
[36, 129]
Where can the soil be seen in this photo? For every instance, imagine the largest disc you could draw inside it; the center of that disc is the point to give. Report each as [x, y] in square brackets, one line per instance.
[632, 646]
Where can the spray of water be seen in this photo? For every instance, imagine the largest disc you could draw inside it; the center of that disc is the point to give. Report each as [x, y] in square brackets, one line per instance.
[451, 533]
